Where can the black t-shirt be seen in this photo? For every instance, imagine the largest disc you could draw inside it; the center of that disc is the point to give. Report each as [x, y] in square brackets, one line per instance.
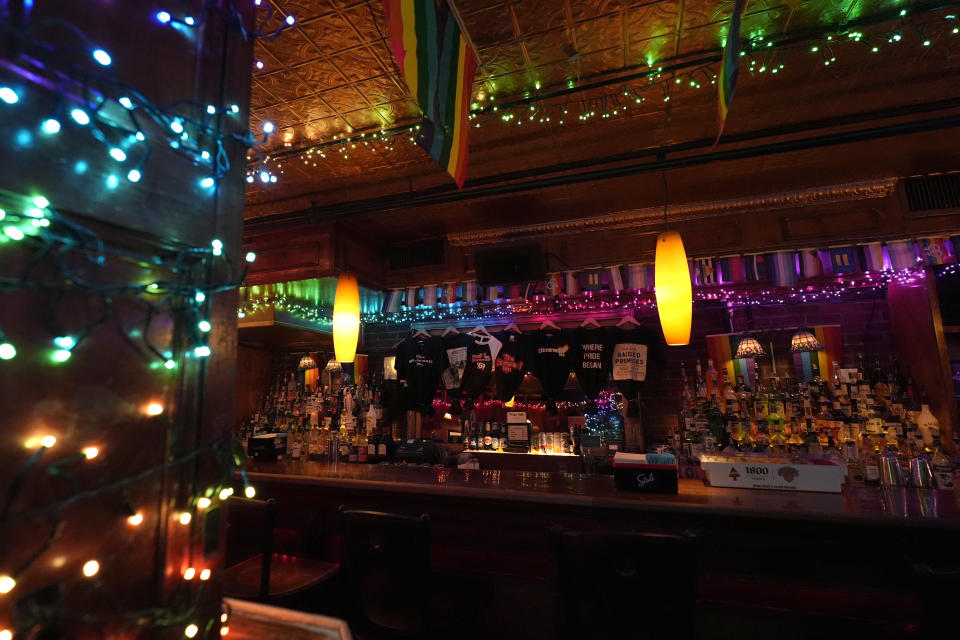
[512, 363]
[591, 353]
[551, 362]
[478, 369]
[419, 363]
[456, 346]
[632, 350]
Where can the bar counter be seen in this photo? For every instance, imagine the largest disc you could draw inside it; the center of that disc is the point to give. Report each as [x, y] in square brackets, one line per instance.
[886, 506]
[825, 554]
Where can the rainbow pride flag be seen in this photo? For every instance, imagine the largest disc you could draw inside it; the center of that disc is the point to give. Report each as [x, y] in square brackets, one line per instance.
[935, 251]
[438, 66]
[730, 66]
[812, 363]
[721, 348]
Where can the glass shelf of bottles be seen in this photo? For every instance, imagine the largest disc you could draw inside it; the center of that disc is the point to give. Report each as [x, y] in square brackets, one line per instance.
[859, 418]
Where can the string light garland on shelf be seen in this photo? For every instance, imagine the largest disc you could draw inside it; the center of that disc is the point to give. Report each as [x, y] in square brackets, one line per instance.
[658, 83]
[828, 288]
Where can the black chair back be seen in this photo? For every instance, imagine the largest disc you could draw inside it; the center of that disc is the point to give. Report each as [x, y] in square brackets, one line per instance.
[250, 526]
[625, 584]
[386, 560]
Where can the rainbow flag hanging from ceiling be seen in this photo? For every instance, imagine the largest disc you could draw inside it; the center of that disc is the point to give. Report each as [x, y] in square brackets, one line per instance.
[438, 66]
[729, 66]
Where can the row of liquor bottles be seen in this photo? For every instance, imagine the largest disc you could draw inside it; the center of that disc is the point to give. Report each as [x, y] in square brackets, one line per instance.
[857, 417]
[290, 406]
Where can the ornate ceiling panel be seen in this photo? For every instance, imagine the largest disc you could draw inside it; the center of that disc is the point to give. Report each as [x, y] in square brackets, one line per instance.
[333, 75]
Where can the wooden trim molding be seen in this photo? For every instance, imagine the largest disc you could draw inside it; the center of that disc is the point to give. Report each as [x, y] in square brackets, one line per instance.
[650, 216]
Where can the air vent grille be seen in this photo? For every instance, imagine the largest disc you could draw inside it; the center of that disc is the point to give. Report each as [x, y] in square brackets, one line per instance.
[420, 254]
[931, 193]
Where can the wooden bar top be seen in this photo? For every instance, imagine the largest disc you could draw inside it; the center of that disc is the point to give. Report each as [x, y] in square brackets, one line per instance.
[888, 506]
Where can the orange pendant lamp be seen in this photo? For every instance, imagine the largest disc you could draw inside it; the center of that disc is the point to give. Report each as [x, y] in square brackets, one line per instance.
[674, 292]
[346, 318]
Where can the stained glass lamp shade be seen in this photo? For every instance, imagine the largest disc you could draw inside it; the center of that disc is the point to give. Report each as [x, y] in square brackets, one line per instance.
[749, 348]
[804, 341]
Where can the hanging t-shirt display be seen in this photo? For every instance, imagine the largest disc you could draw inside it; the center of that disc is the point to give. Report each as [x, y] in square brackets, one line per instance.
[419, 364]
[511, 364]
[591, 357]
[551, 361]
[479, 366]
[632, 351]
[456, 346]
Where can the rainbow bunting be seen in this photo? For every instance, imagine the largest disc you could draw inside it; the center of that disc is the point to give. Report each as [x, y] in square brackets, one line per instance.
[730, 269]
[704, 271]
[872, 256]
[438, 66]
[782, 267]
[935, 251]
[391, 302]
[470, 292]
[554, 284]
[811, 266]
[639, 276]
[730, 66]
[902, 254]
[430, 295]
[450, 293]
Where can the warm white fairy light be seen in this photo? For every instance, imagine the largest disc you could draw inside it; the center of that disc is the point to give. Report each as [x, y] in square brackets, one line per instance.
[7, 583]
[91, 568]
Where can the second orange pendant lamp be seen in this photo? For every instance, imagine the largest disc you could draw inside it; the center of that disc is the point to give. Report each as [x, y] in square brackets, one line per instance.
[671, 277]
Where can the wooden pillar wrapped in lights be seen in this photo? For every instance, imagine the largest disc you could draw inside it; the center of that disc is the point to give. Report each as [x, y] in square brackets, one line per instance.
[346, 318]
[673, 289]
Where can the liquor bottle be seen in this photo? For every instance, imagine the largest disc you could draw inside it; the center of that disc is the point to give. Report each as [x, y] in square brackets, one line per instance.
[495, 438]
[927, 423]
[487, 437]
[724, 383]
[879, 382]
[871, 462]
[897, 384]
[731, 406]
[701, 385]
[711, 379]
[685, 394]
[942, 469]
[475, 442]
[742, 393]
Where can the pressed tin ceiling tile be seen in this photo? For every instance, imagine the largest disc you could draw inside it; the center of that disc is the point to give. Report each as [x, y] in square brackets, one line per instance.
[333, 72]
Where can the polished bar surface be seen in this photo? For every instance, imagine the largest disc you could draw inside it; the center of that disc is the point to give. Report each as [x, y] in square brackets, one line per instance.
[889, 506]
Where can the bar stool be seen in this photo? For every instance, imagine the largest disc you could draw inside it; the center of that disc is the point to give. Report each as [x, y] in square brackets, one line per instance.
[614, 584]
[386, 561]
[937, 588]
[253, 571]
